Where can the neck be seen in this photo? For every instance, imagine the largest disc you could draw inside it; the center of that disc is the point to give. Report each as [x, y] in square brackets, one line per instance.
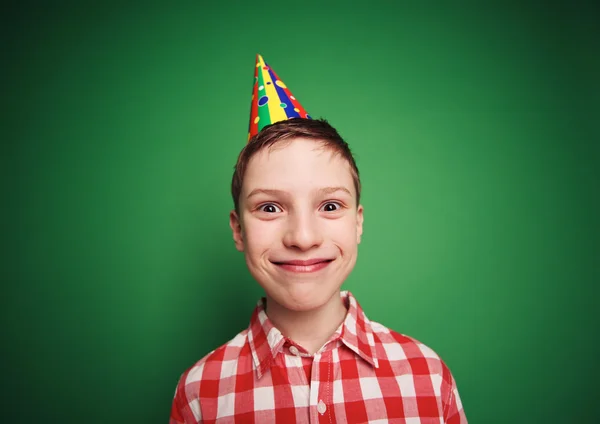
[309, 329]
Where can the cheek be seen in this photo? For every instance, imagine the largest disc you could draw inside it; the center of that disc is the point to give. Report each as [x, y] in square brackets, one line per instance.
[259, 236]
[343, 233]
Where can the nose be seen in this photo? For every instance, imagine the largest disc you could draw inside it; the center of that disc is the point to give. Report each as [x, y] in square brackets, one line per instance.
[302, 232]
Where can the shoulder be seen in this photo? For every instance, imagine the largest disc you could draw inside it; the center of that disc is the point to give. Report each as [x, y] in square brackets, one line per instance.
[202, 379]
[405, 351]
[215, 364]
[418, 369]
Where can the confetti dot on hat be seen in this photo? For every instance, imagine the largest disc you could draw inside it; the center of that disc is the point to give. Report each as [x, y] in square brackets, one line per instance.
[280, 83]
[262, 87]
[256, 119]
[283, 105]
[296, 109]
[263, 100]
[292, 97]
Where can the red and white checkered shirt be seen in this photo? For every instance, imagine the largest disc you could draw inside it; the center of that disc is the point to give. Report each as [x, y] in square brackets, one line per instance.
[365, 373]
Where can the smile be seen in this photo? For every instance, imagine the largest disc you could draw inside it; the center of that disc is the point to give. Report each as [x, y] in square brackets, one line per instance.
[312, 265]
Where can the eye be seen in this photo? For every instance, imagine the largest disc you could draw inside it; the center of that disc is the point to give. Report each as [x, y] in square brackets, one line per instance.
[331, 207]
[270, 208]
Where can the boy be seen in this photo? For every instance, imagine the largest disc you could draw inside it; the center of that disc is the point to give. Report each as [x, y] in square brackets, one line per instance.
[309, 355]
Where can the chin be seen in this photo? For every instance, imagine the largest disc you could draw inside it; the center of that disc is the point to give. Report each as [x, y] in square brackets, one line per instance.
[302, 297]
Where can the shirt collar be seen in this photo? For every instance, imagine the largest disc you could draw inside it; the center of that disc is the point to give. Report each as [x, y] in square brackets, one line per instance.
[266, 341]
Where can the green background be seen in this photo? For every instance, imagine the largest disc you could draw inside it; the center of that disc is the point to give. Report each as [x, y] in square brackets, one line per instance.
[476, 131]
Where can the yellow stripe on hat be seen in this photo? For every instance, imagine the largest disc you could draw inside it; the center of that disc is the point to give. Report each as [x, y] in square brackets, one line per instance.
[275, 110]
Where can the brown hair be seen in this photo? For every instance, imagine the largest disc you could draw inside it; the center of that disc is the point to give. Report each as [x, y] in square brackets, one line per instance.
[315, 129]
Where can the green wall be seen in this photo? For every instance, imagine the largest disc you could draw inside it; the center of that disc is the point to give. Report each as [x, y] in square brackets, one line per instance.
[476, 130]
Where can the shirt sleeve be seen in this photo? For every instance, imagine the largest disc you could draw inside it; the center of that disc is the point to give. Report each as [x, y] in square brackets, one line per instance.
[453, 409]
[183, 410]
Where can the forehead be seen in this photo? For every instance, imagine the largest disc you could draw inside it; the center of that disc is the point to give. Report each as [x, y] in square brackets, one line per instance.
[298, 164]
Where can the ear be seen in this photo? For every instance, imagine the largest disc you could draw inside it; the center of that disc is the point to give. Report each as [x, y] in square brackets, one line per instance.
[359, 223]
[236, 228]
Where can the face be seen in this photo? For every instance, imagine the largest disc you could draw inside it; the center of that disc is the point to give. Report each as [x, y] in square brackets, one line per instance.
[299, 225]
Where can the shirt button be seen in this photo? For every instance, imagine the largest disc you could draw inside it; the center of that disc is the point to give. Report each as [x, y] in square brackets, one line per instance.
[321, 407]
[294, 350]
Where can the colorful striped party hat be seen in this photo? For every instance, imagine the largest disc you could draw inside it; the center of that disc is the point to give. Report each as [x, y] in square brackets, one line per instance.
[272, 101]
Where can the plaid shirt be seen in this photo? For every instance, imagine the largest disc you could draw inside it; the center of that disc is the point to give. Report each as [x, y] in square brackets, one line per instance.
[364, 373]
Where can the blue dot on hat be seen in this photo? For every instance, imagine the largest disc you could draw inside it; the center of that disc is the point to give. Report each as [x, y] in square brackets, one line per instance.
[308, 116]
[263, 100]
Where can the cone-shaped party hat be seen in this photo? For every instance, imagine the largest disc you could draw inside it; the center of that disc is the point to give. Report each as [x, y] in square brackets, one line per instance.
[272, 101]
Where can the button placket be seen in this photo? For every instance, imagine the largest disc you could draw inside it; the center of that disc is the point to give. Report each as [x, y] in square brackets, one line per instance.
[315, 396]
[325, 383]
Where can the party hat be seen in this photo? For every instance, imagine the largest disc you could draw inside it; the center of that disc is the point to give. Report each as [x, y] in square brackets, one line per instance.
[272, 101]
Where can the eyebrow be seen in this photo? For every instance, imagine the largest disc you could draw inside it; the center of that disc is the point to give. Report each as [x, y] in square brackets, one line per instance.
[272, 192]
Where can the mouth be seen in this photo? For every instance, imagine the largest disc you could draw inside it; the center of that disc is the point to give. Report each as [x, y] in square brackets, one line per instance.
[298, 266]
